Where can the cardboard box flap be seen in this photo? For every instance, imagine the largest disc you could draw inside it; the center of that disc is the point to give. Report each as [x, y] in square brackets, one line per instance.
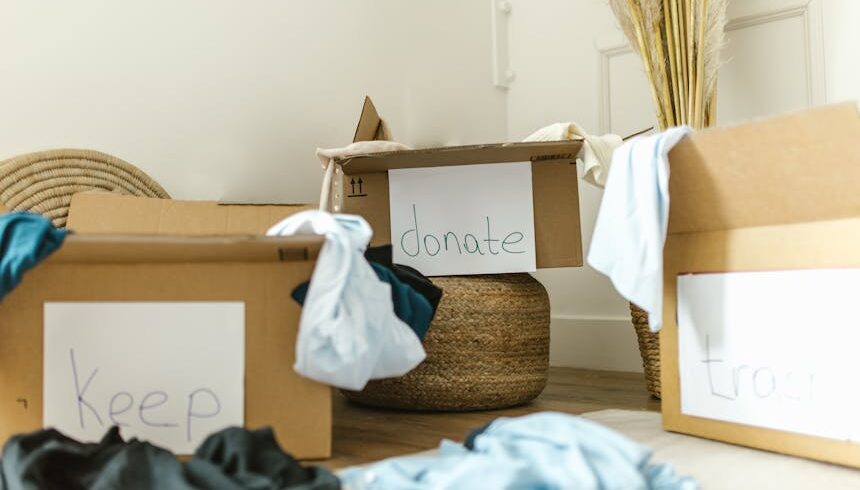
[461, 155]
[370, 126]
[796, 168]
[103, 212]
[157, 249]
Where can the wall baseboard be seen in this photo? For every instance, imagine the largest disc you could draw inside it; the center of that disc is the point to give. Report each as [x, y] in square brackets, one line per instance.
[594, 343]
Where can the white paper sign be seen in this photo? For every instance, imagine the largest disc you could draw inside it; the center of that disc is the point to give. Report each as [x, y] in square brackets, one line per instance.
[779, 350]
[169, 373]
[468, 219]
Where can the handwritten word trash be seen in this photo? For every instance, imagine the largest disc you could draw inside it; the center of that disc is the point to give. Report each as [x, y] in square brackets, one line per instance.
[773, 349]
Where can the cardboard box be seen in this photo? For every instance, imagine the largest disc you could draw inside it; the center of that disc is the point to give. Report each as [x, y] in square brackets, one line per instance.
[776, 195]
[259, 271]
[554, 179]
[103, 212]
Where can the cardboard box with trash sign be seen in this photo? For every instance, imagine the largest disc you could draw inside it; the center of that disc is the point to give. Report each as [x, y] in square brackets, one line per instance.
[761, 272]
[169, 337]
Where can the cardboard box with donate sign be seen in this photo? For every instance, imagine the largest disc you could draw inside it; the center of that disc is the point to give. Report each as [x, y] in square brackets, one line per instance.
[362, 187]
[172, 333]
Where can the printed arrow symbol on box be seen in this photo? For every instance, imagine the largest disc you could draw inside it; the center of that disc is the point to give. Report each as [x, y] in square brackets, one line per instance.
[352, 183]
[360, 182]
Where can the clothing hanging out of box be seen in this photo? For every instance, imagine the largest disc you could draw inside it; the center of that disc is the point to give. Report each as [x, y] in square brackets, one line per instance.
[349, 333]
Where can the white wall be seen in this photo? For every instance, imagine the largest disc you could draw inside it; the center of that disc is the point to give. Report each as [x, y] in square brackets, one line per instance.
[572, 63]
[841, 21]
[227, 99]
[553, 51]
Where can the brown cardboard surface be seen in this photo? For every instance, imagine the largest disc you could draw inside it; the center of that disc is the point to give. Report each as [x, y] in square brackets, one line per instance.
[793, 207]
[556, 208]
[369, 123]
[790, 169]
[558, 242]
[460, 155]
[104, 269]
[780, 247]
[103, 212]
[147, 248]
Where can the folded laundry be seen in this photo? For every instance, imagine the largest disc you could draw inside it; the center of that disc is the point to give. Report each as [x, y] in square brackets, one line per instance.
[25, 240]
[627, 244]
[348, 332]
[596, 152]
[544, 450]
[410, 306]
[232, 459]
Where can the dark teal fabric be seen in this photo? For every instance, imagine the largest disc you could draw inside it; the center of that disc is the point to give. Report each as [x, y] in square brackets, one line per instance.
[25, 240]
[409, 305]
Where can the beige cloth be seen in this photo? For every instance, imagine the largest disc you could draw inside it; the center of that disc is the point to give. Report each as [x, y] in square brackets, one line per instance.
[595, 155]
[717, 465]
[328, 160]
[357, 148]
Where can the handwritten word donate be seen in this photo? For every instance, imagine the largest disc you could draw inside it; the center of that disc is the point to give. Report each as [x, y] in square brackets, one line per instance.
[415, 241]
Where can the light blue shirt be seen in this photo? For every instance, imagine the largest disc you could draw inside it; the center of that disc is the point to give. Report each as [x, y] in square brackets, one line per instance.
[348, 332]
[539, 451]
[627, 244]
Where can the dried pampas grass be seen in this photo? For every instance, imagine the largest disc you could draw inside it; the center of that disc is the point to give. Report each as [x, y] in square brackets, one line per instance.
[679, 42]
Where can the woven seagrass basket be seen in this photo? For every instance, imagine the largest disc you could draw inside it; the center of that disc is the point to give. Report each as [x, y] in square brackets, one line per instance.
[44, 182]
[488, 347]
[649, 349]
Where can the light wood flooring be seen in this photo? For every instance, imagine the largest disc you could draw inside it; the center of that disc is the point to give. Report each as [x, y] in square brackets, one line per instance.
[362, 435]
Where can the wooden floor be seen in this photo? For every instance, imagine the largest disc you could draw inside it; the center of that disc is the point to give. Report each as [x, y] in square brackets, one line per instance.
[362, 435]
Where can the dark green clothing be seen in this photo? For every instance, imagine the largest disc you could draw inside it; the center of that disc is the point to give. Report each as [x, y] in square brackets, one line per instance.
[232, 459]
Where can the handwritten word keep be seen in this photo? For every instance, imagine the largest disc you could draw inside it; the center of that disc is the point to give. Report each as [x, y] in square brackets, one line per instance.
[125, 409]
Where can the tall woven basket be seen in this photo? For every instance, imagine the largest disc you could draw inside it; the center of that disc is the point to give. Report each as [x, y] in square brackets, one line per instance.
[488, 347]
[649, 349]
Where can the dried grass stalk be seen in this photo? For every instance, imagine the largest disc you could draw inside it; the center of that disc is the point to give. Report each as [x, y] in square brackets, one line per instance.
[679, 42]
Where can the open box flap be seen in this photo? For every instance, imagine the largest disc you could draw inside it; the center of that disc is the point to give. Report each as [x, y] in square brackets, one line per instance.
[796, 168]
[160, 249]
[371, 127]
[461, 155]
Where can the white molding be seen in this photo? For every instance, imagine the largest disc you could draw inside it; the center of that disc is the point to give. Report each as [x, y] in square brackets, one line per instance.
[500, 12]
[766, 17]
[604, 117]
[814, 27]
[606, 343]
[810, 13]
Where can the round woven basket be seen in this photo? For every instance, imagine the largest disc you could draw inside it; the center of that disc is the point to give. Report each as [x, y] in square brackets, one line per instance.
[488, 347]
[44, 182]
[649, 349]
